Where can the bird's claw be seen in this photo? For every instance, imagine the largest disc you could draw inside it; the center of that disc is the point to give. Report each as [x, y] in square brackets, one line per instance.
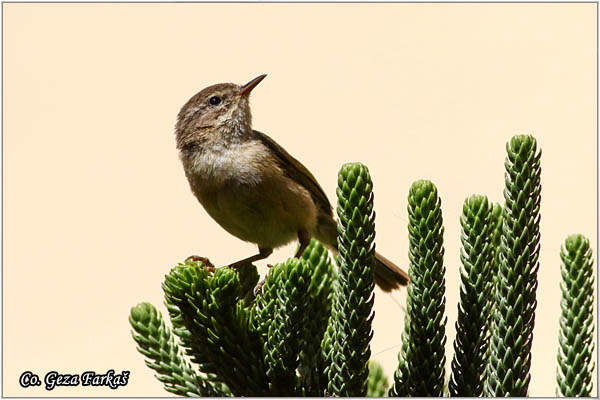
[207, 264]
[258, 287]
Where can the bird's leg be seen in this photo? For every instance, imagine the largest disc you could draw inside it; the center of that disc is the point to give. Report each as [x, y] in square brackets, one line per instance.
[262, 254]
[304, 239]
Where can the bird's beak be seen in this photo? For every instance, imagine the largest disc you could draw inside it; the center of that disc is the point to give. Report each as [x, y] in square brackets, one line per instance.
[247, 88]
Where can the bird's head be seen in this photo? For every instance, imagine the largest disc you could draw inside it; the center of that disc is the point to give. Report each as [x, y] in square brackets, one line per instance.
[221, 109]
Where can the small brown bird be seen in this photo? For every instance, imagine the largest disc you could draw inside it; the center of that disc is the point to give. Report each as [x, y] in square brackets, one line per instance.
[250, 185]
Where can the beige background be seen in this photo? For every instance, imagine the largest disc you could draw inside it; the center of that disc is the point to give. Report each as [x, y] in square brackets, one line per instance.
[96, 206]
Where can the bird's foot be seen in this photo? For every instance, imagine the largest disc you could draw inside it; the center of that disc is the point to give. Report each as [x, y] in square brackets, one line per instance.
[207, 264]
[258, 288]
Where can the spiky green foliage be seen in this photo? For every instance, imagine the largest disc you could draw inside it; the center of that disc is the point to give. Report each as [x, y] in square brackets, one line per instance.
[156, 342]
[472, 330]
[307, 331]
[214, 326]
[515, 292]
[496, 222]
[350, 332]
[282, 320]
[246, 345]
[320, 292]
[576, 336]
[421, 360]
[377, 383]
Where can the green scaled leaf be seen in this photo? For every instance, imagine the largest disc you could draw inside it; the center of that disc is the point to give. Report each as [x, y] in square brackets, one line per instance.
[496, 222]
[377, 384]
[515, 293]
[472, 326]
[312, 359]
[282, 320]
[213, 324]
[576, 336]
[156, 342]
[421, 370]
[349, 332]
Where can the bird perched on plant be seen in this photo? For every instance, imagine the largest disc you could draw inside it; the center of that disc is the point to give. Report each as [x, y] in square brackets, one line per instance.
[250, 185]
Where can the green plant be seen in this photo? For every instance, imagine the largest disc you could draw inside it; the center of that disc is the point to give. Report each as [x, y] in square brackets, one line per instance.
[515, 291]
[472, 326]
[421, 369]
[307, 331]
[349, 331]
[377, 383]
[576, 338]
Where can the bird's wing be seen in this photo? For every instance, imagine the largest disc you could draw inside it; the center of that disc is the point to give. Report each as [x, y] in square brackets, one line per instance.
[298, 172]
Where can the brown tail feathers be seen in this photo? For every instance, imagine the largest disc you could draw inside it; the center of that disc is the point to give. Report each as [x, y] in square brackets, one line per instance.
[388, 276]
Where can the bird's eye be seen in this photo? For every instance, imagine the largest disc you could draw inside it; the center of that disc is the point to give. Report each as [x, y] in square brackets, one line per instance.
[215, 100]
